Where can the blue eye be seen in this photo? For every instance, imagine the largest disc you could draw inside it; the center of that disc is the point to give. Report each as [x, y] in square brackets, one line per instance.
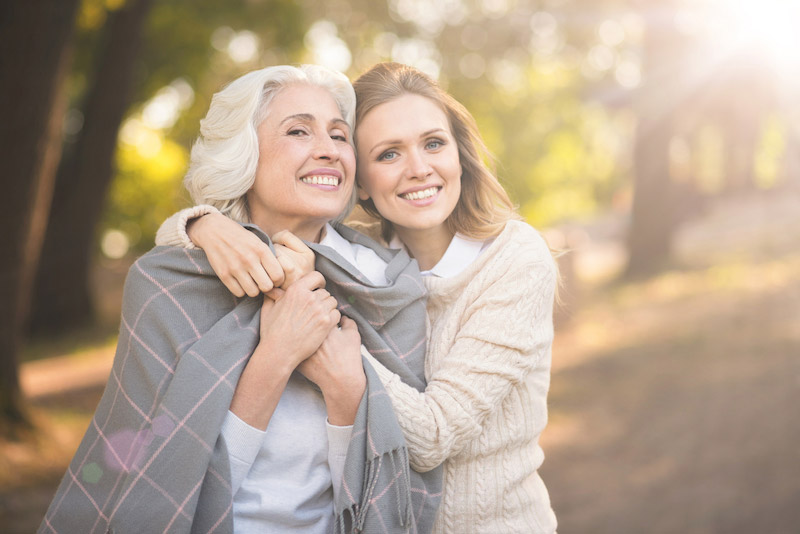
[387, 156]
[433, 145]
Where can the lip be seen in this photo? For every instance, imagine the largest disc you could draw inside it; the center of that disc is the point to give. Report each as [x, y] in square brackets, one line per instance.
[324, 172]
[421, 202]
[419, 188]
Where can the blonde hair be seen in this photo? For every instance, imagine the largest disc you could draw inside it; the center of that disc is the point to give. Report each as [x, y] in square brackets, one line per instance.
[224, 158]
[484, 206]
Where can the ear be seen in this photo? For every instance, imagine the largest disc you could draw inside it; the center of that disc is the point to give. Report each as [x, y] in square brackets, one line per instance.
[362, 194]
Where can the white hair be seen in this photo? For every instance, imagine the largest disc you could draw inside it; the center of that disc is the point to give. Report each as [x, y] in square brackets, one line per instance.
[224, 158]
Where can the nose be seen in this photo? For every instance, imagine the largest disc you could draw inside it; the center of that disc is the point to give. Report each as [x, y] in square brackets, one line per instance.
[418, 166]
[325, 148]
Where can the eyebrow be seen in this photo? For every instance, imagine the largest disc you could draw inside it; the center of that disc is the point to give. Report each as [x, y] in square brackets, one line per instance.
[399, 141]
[308, 117]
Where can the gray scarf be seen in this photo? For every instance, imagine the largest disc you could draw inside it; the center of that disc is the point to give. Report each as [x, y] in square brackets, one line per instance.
[153, 459]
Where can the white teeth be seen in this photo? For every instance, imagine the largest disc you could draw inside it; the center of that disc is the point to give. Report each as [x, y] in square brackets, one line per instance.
[425, 193]
[320, 180]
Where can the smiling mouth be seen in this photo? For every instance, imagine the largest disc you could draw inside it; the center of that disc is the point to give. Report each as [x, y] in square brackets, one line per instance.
[422, 194]
[320, 180]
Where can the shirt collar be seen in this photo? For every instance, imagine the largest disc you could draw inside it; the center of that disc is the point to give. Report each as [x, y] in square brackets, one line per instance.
[460, 253]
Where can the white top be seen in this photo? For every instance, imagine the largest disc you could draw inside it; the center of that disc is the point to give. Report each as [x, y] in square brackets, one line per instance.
[362, 258]
[460, 254]
[283, 479]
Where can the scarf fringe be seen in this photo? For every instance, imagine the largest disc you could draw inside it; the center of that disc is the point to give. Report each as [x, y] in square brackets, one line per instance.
[356, 514]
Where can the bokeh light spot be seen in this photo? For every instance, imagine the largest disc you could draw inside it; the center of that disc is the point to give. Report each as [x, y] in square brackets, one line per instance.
[163, 425]
[91, 473]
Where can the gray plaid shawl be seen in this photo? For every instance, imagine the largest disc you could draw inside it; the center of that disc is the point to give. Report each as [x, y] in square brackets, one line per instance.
[153, 460]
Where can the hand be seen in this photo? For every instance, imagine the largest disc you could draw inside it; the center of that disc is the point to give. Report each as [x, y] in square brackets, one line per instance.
[291, 330]
[294, 256]
[297, 324]
[337, 369]
[243, 262]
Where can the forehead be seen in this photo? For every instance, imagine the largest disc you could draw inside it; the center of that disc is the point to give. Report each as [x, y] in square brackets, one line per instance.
[408, 114]
[302, 99]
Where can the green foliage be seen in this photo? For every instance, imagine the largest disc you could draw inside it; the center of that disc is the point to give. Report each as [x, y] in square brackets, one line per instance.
[146, 190]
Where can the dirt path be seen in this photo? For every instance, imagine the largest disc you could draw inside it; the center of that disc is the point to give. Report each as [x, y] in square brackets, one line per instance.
[678, 416]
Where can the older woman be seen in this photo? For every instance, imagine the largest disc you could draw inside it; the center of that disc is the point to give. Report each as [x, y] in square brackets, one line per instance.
[210, 420]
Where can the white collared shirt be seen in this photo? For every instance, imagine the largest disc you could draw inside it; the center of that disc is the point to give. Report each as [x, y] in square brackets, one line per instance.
[460, 253]
[363, 258]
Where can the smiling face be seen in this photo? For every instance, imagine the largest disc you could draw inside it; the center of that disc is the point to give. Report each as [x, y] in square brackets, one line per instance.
[408, 164]
[306, 165]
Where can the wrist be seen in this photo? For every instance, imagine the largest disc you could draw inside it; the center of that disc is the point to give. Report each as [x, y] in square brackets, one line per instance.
[187, 219]
[275, 359]
[194, 227]
[342, 403]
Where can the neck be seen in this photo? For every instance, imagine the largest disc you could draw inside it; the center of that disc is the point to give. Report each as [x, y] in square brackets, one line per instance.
[426, 246]
[306, 230]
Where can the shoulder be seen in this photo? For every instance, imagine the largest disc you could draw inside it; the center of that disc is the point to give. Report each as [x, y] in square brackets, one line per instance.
[521, 249]
[165, 266]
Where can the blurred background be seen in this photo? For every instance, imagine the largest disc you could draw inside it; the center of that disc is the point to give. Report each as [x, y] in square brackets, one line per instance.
[655, 142]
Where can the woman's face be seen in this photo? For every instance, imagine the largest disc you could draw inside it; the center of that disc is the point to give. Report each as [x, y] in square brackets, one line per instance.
[306, 165]
[408, 163]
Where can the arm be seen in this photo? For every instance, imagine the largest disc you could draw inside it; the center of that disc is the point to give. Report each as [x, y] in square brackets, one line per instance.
[292, 329]
[241, 260]
[337, 369]
[481, 368]
[342, 383]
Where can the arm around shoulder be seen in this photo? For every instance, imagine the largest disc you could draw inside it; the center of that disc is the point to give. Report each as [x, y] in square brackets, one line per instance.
[172, 231]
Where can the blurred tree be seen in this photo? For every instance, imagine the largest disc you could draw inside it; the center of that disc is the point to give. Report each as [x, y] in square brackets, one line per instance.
[62, 298]
[35, 52]
[660, 97]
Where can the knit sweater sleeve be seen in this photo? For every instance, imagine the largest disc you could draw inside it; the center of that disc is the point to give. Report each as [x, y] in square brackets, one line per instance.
[172, 232]
[506, 331]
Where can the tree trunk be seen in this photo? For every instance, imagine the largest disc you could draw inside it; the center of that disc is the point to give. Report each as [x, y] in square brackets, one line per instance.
[653, 219]
[63, 296]
[35, 52]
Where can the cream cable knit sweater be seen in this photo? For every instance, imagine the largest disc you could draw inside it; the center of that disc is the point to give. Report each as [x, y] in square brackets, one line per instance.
[488, 371]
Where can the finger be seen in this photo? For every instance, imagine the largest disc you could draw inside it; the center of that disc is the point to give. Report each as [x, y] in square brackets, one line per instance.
[275, 294]
[331, 302]
[347, 323]
[288, 262]
[271, 266]
[311, 281]
[267, 304]
[232, 285]
[292, 242]
[248, 284]
[335, 317]
[261, 280]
